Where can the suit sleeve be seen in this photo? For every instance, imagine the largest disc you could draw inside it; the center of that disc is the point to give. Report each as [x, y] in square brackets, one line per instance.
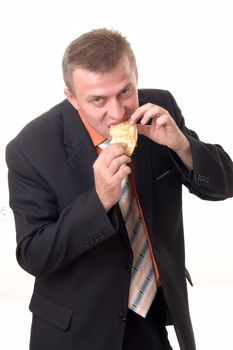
[212, 174]
[49, 239]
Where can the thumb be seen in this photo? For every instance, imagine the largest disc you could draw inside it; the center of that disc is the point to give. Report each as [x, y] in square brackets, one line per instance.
[143, 129]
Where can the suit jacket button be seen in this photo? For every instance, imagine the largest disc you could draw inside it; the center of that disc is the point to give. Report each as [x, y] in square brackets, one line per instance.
[92, 241]
[130, 267]
[122, 316]
[101, 235]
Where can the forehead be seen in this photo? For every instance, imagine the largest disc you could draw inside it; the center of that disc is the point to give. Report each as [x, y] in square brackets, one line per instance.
[86, 81]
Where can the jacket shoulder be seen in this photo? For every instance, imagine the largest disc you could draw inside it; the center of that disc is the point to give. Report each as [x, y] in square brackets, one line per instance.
[41, 137]
[43, 130]
[162, 98]
[156, 96]
[41, 125]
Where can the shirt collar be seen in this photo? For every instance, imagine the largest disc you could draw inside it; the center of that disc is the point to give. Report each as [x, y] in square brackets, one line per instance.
[94, 135]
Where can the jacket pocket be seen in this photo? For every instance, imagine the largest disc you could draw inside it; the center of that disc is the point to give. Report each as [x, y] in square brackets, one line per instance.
[53, 313]
[165, 174]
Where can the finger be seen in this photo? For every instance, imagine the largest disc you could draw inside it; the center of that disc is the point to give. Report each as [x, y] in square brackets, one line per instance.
[121, 174]
[153, 113]
[118, 162]
[138, 113]
[146, 112]
[165, 120]
[110, 153]
[107, 180]
[143, 129]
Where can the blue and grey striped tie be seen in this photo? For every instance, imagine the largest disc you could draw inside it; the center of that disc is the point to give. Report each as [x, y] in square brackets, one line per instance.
[143, 283]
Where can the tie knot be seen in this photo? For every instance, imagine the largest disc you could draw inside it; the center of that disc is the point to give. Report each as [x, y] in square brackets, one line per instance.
[104, 144]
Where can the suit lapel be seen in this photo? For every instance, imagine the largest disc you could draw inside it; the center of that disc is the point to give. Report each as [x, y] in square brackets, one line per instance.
[80, 149]
[142, 172]
[82, 154]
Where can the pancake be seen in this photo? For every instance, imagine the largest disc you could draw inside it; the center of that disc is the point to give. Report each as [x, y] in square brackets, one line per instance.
[125, 132]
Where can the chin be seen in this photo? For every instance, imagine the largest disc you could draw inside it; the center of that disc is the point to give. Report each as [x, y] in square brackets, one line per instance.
[107, 134]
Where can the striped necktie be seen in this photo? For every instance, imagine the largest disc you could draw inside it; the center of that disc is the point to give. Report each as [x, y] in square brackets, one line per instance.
[143, 283]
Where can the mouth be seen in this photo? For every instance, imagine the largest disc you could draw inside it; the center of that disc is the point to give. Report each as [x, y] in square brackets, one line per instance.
[121, 121]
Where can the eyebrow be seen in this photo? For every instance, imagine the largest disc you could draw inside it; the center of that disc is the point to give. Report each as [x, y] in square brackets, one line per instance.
[92, 97]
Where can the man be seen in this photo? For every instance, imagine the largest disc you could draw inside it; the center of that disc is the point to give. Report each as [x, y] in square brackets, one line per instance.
[66, 190]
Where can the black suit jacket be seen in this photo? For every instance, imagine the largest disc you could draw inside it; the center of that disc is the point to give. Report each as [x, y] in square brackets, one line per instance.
[80, 255]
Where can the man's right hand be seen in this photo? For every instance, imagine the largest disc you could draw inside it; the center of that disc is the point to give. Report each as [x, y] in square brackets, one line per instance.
[110, 169]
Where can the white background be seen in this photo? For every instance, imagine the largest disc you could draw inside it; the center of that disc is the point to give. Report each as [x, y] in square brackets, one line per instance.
[182, 46]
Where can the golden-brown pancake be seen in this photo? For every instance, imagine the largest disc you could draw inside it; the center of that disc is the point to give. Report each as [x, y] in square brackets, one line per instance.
[125, 132]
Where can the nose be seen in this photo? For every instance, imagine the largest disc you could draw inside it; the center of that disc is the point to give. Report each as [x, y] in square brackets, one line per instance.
[116, 110]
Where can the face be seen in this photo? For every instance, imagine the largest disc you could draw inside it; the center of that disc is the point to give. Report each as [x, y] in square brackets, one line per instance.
[105, 99]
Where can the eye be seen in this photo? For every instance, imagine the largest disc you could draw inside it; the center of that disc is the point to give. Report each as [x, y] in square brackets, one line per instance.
[98, 100]
[125, 92]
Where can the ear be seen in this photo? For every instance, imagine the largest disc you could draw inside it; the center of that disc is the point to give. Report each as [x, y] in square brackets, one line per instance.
[136, 74]
[71, 98]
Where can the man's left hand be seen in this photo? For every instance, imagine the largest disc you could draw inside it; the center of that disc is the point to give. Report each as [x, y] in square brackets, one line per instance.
[163, 130]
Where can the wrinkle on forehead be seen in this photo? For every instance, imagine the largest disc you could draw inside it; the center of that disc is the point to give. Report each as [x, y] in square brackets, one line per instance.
[104, 84]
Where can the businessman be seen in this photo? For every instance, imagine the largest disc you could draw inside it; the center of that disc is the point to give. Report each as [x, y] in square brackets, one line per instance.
[101, 231]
